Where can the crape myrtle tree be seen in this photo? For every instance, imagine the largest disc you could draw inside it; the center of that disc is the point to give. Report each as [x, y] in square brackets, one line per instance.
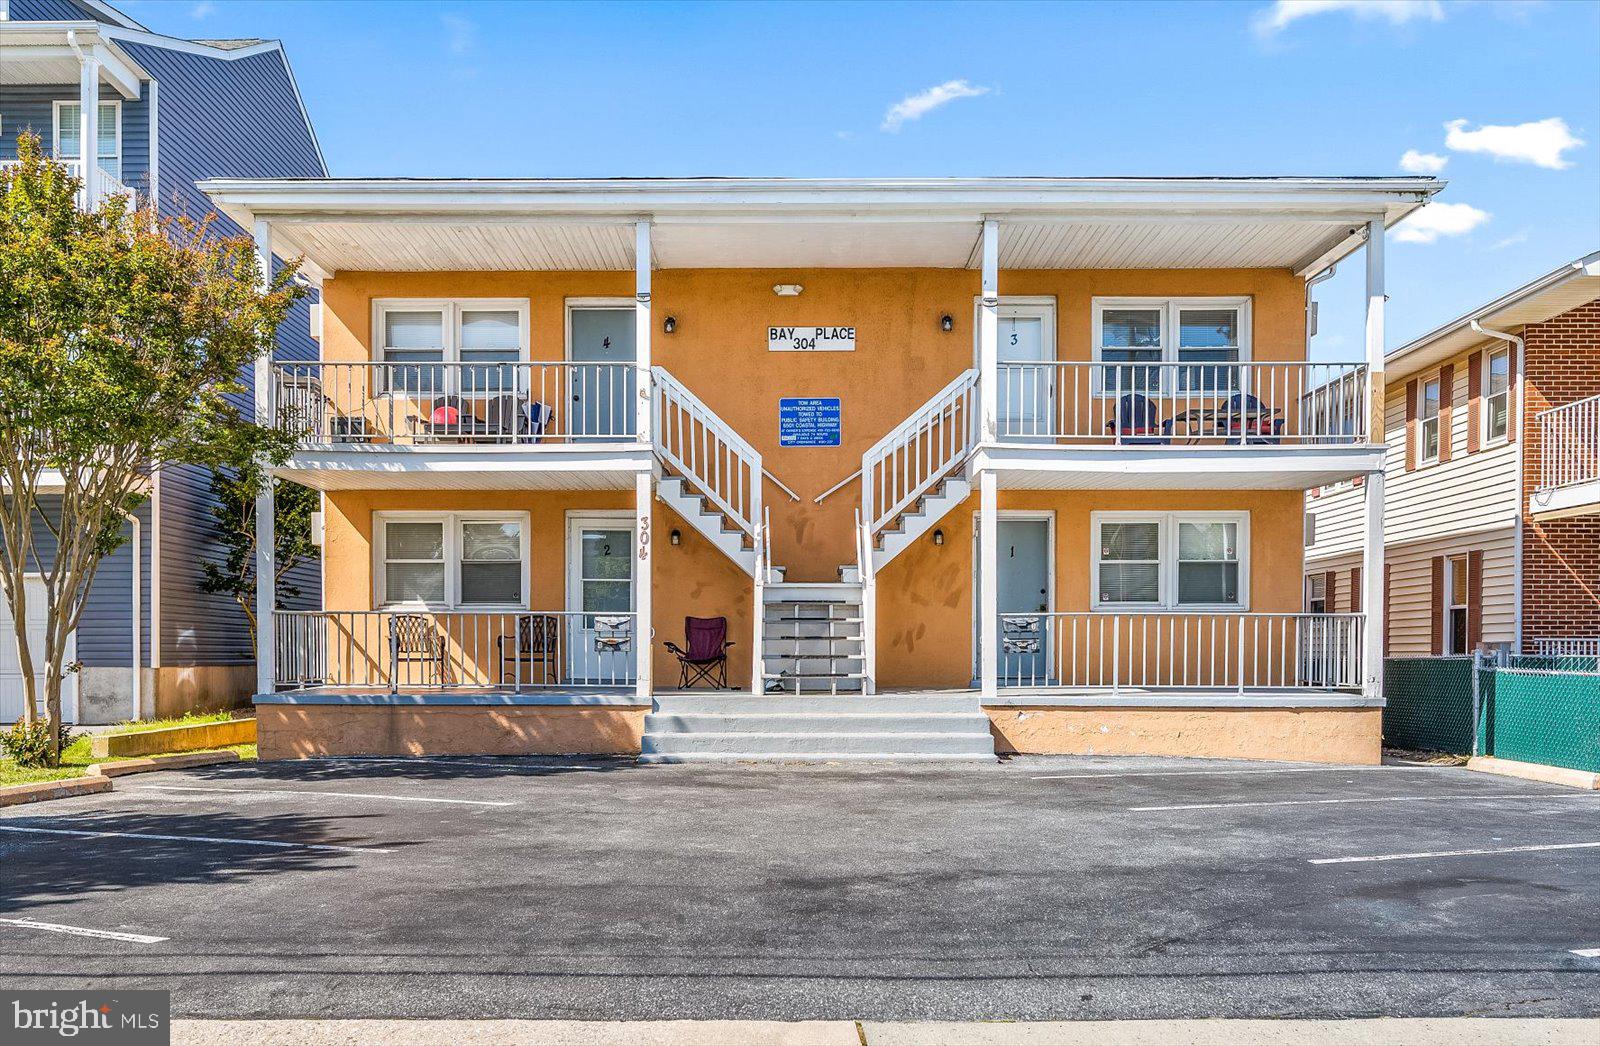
[122, 339]
[235, 515]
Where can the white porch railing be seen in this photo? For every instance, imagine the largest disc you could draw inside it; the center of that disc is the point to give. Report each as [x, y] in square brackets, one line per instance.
[697, 444]
[1200, 651]
[442, 649]
[919, 452]
[416, 403]
[1160, 404]
[109, 185]
[1569, 444]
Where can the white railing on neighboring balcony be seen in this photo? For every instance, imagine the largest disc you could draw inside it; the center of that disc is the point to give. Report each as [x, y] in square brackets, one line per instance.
[415, 403]
[919, 452]
[1170, 404]
[109, 186]
[441, 649]
[1569, 444]
[1223, 652]
[717, 462]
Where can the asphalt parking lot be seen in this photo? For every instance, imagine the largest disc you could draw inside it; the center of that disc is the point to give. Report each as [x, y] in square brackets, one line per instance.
[1028, 890]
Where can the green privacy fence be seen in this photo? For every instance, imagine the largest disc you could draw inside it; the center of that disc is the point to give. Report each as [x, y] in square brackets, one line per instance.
[1428, 703]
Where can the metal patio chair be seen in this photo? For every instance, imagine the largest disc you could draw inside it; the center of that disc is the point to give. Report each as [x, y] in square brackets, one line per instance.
[535, 643]
[413, 639]
[706, 660]
[1138, 422]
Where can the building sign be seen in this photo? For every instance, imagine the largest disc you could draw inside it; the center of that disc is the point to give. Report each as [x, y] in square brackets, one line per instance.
[809, 422]
[811, 339]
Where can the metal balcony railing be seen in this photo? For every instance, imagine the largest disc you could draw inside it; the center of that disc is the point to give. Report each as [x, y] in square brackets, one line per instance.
[1569, 444]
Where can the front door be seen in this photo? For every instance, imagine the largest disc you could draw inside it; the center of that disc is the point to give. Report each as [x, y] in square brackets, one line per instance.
[1027, 336]
[1024, 589]
[602, 397]
[13, 694]
[601, 636]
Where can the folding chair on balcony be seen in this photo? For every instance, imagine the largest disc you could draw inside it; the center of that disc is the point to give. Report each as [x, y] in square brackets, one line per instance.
[413, 639]
[536, 644]
[1138, 423]
[706, 660]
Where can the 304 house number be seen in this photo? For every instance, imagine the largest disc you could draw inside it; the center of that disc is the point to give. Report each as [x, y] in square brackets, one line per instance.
[811, 339]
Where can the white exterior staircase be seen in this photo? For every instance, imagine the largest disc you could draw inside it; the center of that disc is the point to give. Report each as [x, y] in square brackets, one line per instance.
[712, 523]
[813, 637]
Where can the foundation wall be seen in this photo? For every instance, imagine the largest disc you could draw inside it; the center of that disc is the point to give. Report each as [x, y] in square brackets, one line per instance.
[1316, 735]
[306, 731]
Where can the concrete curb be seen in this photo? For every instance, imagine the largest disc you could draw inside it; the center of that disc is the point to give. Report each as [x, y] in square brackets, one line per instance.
[1556, 775]
[174, 739]
[42, 791]
[123, 767]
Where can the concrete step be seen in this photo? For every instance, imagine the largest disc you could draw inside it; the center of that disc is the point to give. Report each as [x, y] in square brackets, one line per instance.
[661, 758]
[975, 723]
[731, 702]
[885, 744]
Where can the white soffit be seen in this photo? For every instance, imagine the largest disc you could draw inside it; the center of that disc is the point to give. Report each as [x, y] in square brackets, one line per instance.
[404, 245]
[1154, 244]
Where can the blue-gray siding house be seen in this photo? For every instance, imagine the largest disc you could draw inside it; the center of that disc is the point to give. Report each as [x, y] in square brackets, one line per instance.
[172, 112]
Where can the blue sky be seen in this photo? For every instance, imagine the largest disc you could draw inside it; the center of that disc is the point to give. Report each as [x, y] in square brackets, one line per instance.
[1492, 95]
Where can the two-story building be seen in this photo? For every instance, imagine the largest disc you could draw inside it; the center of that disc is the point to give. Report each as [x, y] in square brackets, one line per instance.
[162, 112]
[958, 465]
[1492, 516]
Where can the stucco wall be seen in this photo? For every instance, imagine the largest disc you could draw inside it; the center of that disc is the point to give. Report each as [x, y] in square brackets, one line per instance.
[1320, 735]
[301, 732]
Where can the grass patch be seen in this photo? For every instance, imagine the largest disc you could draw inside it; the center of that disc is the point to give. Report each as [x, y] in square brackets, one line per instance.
[141, 726]
[75, 759]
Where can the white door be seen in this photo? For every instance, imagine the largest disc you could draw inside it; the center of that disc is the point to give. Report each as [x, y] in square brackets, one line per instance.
[12, 693]
[602, 396]
[600, 634]
[1027, 336]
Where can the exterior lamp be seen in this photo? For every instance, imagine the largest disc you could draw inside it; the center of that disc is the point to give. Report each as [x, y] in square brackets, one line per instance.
[670, 325]
[676, 537]
[947, 323]
[787, 290]
[938, 537]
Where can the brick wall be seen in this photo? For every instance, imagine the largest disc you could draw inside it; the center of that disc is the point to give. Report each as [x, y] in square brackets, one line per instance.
[1560, 558]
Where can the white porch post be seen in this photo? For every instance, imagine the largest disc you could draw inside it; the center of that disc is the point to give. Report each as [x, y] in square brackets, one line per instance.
[989, 336]
[266, 530]
[89, 128]
[643, 482]
[988, 486]
[1372, 554]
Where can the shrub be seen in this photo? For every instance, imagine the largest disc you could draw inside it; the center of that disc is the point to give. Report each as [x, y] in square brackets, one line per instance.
[28, 744]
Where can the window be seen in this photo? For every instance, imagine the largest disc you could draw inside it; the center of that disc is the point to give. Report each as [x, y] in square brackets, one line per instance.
[1136, 333]
[1317, 594]
[69, 135]
[1429, 432]
[1170, 560]
[1497, 396]
[1455, 610]
[449, 560]
[492, 333]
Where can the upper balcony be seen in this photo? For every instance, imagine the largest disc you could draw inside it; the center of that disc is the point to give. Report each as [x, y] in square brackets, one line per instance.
[1569, 461]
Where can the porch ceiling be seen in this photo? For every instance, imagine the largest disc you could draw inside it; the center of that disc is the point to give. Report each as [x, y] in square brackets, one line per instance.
[1175, 468]
[42, 53]
[463, 469]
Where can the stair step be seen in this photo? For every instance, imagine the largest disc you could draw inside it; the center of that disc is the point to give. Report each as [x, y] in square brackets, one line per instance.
[886, 744]
[659, 758]
[729, 702]
[824, 723]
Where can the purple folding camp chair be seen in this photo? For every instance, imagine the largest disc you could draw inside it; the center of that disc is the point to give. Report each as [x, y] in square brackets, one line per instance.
[706, 660]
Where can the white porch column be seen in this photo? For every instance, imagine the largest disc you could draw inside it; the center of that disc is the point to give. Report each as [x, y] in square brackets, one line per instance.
[643, 482]
[989, 336]
[266, 530]
[1372, 562]
[89, 127]
[988, 584]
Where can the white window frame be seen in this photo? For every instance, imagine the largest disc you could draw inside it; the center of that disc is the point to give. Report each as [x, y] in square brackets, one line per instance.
[1423, 420]
[452, 522]
[1167, 599]
[450, 333]
[55, 130]
[1489, 439]
[1313, 583]
[1454, 601]
[1170, 309]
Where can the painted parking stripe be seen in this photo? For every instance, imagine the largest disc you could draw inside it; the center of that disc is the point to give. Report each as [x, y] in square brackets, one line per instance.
[224, 840]
[1229, 773]
[1373, 799]
[340, 795]
[1456, 853]
[1587, 953]
[446, 761]
[84, 931]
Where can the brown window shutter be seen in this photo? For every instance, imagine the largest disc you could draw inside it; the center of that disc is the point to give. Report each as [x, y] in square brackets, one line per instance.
[1411, 425]
[1388, 606]
[1474, 599]
[1355, 590]
[1447, 396]
[1474, 400]
[1513, 419]
[1330, 590]
[1436, 608]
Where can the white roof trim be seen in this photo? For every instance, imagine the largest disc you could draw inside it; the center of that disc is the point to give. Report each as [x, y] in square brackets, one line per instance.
[111, 14]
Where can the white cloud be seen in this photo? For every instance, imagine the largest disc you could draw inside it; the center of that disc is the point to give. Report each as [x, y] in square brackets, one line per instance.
[459, 33]
[203, 9]
[1439, 219]
[1539, 142]
[1520, 236]
[1413, 162]
[1284, 13]
[916, 106]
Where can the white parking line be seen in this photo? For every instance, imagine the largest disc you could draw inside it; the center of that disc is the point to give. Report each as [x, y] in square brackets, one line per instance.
[1456, 853]
[1229, 773]
[275, 843]
[84, 931]
[307, 791]
[1374, 799]
[1587, 953]
[447, 761]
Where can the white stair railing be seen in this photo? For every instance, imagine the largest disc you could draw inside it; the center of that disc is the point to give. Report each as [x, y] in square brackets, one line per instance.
[866, 571]
[719, 463]
[919, 452]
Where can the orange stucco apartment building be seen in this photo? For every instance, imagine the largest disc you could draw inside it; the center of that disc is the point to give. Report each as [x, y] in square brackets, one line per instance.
[958, 467]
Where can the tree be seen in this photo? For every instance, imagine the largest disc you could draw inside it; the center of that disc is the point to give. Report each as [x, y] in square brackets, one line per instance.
[122, 340]
[235, 514]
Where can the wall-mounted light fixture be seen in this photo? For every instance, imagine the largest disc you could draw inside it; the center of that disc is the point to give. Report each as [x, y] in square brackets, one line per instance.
[787, 290]
[669, 325]
[938, 537]
[676, 537]
[947, 323]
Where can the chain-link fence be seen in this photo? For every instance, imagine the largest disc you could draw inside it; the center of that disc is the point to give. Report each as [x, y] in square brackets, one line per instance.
[1428, 703]
[1541, 710]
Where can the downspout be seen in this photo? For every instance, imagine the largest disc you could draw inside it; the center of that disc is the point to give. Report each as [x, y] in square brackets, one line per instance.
[138, 608]
[1311, 306]
[1522, 439]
